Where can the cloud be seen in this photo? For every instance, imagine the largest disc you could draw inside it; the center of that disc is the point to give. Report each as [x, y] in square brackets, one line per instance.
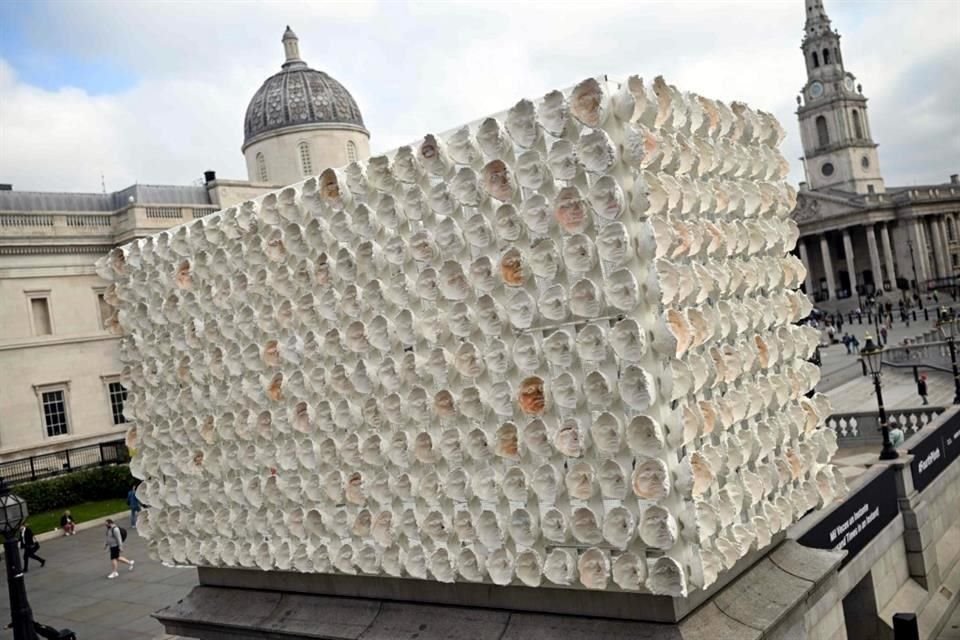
[415, 68]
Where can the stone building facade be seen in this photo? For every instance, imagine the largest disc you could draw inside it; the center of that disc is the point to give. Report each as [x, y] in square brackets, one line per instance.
[857, 235]
[59, 366]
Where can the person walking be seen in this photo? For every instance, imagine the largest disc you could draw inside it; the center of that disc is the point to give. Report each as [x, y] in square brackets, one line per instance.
[30, 547]
[134, 503]
[67, 525]
[846, 342]
[922, 388]
[883, 335]
[115, 538]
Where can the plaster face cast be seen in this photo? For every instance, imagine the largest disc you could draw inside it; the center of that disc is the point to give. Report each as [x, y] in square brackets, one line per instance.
[555, 348]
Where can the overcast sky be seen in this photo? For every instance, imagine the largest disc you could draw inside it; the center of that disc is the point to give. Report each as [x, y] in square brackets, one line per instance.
[156, 92]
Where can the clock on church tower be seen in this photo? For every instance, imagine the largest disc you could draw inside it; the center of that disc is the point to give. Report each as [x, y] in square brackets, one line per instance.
[838, 147]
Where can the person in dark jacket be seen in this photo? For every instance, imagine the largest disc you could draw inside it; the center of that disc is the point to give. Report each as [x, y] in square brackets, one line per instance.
[30, 547]
[922, 388]
[134, 503]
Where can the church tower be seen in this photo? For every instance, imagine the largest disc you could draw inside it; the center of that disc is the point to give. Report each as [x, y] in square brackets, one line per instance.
[838, 148]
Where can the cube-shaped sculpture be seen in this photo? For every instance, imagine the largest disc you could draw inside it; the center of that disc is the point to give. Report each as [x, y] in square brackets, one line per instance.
[553, 348]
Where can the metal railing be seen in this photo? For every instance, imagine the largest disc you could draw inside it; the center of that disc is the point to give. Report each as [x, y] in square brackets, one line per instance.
[47, 465]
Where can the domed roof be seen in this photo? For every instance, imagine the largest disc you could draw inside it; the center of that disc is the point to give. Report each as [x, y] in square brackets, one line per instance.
[299, 95]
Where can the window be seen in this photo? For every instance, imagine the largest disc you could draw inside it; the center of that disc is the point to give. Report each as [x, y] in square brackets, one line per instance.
[870, 189]
[351, 151]
[950, 235]
[262, 168]
[105, 310]
[816, 60]
[40, 313]
[827, 169]
[305, 165]
[118, 395]
[857, 128]
[54, 405]
[826, 56]
[865, 162]
[823, 134]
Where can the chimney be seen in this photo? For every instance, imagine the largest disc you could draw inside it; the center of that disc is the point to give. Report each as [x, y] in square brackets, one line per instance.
[9, 187]
[209, 176]
[954, 179]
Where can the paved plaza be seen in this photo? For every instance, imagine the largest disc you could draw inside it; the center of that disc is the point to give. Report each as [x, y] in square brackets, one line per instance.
[73, 592]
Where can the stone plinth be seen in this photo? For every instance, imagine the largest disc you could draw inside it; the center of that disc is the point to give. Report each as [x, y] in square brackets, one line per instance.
[244, 604]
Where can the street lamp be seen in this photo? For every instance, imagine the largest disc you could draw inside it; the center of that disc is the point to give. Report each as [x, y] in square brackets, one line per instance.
[873, 355]
[13, 512]
[947, 324]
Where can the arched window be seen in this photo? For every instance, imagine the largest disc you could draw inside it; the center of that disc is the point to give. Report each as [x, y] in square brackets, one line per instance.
[305, 164]
[816, 60]
[262, 168]
[823, 134]
[857, 127]
[826, 56]
[351, 151]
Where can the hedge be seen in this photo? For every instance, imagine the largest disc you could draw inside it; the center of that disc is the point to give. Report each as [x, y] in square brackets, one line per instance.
[101, 483]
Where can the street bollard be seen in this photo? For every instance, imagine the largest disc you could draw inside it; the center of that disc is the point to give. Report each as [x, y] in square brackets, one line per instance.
[926, 316]
[905, 626]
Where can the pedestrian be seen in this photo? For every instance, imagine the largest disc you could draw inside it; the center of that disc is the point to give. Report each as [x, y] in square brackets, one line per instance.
[134, 503]
[115, 539]
[856, 344]
[67, 525]
[846, 342]
[30, 547]
[922, 388]
[936, 298]
[883, 335]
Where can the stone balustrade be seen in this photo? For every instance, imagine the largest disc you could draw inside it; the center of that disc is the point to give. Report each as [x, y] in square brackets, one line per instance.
[863, 428]
[109, 227]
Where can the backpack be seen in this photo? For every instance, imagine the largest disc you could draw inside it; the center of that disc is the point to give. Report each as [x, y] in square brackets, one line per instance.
[123, 534]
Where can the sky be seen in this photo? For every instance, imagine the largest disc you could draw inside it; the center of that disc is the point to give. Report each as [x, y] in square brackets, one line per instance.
[155, 92]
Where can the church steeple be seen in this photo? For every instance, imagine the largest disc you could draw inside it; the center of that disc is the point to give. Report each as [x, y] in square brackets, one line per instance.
[821, 44]
[837, 144]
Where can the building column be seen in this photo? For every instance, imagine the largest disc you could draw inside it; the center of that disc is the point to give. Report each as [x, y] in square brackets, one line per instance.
[888, 255]
[874, 258]
[808, 278]
[851, 263]
[919, 252]
[939, 248]
[942, 223]
[828, 267]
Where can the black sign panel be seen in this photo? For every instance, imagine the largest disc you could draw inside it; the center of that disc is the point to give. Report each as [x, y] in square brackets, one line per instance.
[858, 520]
[935, 453]
[950, 434]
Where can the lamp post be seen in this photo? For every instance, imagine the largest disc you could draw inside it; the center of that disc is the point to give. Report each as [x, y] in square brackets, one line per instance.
[873, 355]
[947, 324]
[13, 511]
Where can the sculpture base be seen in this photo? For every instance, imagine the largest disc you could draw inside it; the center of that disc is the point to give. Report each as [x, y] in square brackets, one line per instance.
[619, 605]
[246, 605]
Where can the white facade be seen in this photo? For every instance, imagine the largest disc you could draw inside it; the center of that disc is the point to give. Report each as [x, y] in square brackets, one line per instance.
[57, 361]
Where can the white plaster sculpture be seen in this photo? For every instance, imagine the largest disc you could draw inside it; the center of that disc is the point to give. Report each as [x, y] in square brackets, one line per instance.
[555, 348]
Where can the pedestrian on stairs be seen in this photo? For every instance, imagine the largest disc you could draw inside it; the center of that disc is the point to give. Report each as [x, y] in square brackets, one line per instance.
[922, 388]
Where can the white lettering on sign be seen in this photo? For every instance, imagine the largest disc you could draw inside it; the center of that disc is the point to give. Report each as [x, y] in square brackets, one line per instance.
[932, 457]
[850, 529]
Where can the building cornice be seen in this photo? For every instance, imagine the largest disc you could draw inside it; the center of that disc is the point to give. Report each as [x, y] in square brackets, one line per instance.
[32, 342]
[316, 126]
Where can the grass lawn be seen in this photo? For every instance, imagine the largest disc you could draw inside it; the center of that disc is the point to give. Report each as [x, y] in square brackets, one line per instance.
[49, 520]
